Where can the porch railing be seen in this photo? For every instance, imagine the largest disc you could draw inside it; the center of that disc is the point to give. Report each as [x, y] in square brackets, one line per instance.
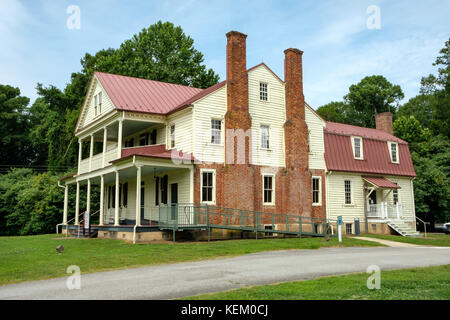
[185, 216]
[385, 211]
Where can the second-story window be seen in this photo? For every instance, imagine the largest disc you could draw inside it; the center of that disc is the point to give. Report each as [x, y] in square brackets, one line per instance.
[263, 91]
[172, 136]
[129, 143]
[216, 131]
[265, 137]
[316, 191]
[268, 190]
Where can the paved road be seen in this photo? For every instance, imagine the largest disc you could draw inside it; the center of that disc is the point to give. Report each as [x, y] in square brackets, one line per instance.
[185, 279]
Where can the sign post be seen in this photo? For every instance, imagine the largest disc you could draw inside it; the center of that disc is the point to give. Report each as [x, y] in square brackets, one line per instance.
[87, 224]
[339, 222]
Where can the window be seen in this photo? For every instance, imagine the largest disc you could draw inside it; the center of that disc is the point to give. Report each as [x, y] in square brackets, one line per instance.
[125, 194]
[268, 188]
[357, 148]
[316, 190]
[348, 228]
[95, 105]
[395, 195]
[153, 136]
[172, 136]
[263, 91]
[129, 143]
[348, 192]
[100, 102]
[208, 186]
[216, 131]
[143, 139]
[394, 152]
[265, 137]
[164, 188]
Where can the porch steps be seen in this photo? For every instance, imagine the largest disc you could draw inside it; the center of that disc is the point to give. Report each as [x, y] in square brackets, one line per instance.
[404, 229]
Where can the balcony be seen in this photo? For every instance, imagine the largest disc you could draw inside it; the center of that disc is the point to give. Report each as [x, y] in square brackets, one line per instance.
[385, 211]
[97, 161]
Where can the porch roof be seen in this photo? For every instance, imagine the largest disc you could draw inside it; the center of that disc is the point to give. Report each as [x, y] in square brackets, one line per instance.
[155, 151]
[381, 182]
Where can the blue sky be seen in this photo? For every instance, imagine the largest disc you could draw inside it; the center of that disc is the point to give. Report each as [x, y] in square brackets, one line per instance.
[339, 48]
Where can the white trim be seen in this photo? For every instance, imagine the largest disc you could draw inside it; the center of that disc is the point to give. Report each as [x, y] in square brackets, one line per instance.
[361, 151]
[221, 131]
[317, 204]
[390, 143]
[273, 188]
[351, 194]
[268, 136]
[213, 171]
[259, 91]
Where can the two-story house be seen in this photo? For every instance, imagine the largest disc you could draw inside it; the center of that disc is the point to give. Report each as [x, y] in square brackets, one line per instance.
[248, 143]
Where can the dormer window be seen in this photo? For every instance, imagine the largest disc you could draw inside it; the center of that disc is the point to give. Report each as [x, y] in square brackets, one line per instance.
[393, 150]
[263, 91]
[357, 148]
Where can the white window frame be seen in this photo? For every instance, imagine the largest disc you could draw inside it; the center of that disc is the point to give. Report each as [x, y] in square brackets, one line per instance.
[272, 203]
[171, 146]
[398, 195]
[319, 203]
[267, 91]
[95, 105]
[261, 136]
[213, 171]
[361, 148]
[100, 102]
[390, 144]
[351, 193]
[216, 130]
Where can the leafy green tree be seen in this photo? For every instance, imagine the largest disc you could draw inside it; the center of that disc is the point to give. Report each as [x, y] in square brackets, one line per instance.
[372, 95]
[339, 112]
[15, 145]
[409, 129]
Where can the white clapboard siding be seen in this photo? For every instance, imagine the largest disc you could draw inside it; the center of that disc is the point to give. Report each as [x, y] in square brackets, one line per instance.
[89, 112]
[212, 106]
[271, 113]
[336, 196]
[183, 129]
[316, 139]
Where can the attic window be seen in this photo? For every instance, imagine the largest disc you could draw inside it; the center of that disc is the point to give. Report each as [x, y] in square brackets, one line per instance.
[98, 104]
[263, 91]
[393, 150]
[357, 148]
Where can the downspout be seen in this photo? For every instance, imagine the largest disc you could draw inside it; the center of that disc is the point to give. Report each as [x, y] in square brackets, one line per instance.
[366, 223]
[60, 224]
[135, 225]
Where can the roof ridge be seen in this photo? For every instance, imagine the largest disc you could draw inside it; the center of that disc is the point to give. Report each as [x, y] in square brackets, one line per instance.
[163, 82]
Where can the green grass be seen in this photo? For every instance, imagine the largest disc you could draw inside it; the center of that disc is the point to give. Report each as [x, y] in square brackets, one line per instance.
[406, 284]
[34, 257]
[431, 239]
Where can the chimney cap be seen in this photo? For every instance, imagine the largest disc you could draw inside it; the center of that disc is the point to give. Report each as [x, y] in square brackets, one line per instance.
[383, 114]
[236, 33]
[294, 50]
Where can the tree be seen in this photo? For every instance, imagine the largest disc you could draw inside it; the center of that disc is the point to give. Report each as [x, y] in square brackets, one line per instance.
[338, 112]
[372, 95]
[15, 146]
[409, 129]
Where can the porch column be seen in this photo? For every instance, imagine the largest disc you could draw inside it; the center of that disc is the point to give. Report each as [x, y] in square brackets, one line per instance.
[119, 139]
[116, 205]
[88, 196]
[91, 152]
[80, 150]
[66, 204]
[138, 195]
[105, 141]
[77, 205]
[102, 191]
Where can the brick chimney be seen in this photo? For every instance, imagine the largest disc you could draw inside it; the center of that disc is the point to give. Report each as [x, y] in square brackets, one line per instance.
[383, 121]
[296, 131]
[237, 116]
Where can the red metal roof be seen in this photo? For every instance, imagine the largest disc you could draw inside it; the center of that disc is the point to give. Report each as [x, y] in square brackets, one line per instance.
[346, 129]
[339, 155]
[143, 95]
[381, 182]
[156, 151]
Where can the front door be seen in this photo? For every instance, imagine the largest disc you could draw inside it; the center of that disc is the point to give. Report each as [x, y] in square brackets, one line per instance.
[174, 199]
[373, 202]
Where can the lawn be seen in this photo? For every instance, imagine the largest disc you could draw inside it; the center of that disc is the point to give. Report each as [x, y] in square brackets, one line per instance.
[406, 284]
[34, 257]
[434, 239]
